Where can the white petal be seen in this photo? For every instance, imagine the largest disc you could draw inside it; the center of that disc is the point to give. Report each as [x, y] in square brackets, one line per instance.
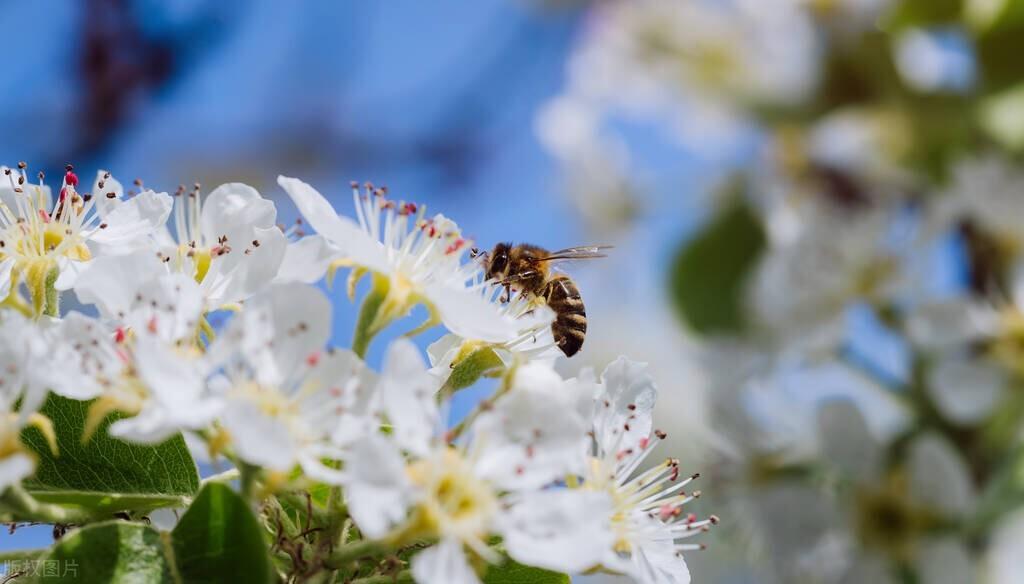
[407, 390]
[1005, 560]
[110, 282]
[944, 561]
[341, 231]
[14, 468]
[84, 356]
[377, 488]
[468, 315]
[966, 388]
[234, 210]
[136, 218]
[562, 530]
[306, 260]
[169, 307]
[258, 438]
[939, 477]
[530, 438]
[176, 384]
[625, 400]
[847, 441]
[278, 331]
[252, 270]
[150, 426]
[444, 563]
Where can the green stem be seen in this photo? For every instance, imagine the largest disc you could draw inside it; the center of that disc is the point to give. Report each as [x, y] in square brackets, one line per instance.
[248, 474]
[24, 507]
[349, 553]
[402, 577]
[368, 312]
[52, 294]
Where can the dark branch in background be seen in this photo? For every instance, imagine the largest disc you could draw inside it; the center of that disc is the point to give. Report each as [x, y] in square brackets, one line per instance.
[123, 64]
[120, 64]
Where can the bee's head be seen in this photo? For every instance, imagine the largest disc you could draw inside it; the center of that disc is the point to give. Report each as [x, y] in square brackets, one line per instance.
[498, 261]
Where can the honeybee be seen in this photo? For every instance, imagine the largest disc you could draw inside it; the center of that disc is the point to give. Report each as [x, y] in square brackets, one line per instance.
[528, 268]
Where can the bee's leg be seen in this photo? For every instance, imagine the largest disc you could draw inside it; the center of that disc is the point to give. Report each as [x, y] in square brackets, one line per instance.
[508, 292]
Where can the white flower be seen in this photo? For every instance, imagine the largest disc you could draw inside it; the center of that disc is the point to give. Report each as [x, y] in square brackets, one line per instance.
[134, 291]
[228, 242]
[150, 366]
[421, 260]
[44, 237]
[532, 341]
[646, 522]
[461, 495]
[23, 361]
[985, 193]
[819, 261]
[284, 394]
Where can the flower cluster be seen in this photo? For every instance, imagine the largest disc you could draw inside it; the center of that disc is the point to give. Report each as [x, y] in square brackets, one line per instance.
[859, 285]
[551, 472]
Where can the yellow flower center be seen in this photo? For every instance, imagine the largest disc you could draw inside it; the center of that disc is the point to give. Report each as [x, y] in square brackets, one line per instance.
[455, 500]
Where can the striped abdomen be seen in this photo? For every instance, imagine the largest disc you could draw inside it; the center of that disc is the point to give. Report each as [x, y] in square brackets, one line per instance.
[570, 326]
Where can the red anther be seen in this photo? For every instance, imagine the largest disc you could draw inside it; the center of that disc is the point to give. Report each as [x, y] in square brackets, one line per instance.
[644, 442]
[63, 194]
[691, 518]
[335, 391]
[313, 359]
[529, 451]
[410, 208]
[675, 474]
[151, 325]
[665, 512]
[520, 470]
[119, 335]
[44, 216]
[455, 246]
[432, 232]
[71, 178]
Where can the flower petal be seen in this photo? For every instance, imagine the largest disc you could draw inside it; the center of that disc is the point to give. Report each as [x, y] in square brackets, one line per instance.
[562, 530]
[444, 563]
[407, 391]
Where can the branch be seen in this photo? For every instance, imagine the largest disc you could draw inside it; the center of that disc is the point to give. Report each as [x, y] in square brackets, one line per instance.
[26, 508]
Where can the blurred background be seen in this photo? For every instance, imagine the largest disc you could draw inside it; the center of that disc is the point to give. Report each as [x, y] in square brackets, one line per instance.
[817, 208]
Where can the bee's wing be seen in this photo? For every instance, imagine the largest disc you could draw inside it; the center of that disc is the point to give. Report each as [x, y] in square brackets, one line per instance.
[582, 252]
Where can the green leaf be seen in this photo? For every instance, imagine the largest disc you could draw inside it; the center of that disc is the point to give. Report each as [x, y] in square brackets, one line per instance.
[914, 13]
[708, 275]
[121, 552]
[105, 472]
[219, 540]
[514, 573]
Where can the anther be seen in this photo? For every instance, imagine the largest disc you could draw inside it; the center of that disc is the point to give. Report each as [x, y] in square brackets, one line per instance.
[22, 165]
